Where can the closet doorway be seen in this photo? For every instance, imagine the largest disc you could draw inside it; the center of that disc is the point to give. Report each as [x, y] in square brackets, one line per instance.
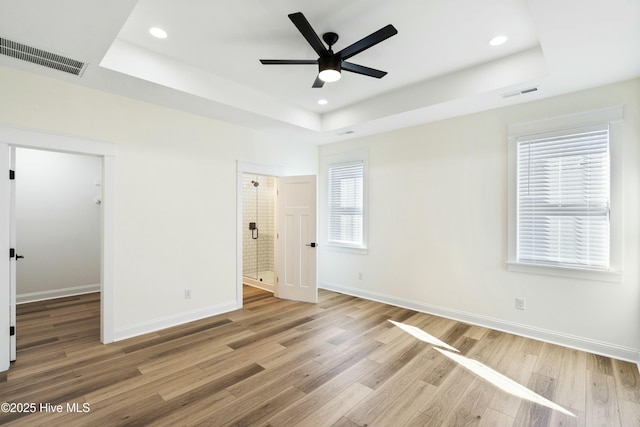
[26, 138]
[57, 219]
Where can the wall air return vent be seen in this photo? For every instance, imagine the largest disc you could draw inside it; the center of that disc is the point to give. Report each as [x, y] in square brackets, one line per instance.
[41, 57]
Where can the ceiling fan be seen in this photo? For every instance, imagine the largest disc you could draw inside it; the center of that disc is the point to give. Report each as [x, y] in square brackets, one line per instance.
[329, 63]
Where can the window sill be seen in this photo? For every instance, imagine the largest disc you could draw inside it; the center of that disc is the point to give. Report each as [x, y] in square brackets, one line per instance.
[348, 249]
[574, 273]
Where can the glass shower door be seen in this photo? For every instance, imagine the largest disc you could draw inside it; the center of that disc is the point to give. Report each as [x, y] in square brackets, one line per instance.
[259, 199]
[250, 230]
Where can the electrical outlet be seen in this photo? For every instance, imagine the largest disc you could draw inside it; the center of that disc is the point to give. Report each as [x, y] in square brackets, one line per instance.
[360, 277]
[187, 293]
[520, 303]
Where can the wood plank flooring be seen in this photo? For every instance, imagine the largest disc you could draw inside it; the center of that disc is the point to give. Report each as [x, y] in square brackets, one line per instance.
[282, 363]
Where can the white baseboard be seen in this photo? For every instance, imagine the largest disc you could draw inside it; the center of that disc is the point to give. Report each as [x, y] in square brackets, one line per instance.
[260, 285]
[56, 293]
[170, 321]
[553, 337]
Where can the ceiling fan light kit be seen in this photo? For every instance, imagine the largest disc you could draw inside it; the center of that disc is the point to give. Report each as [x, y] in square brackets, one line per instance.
[329, 68]
[329, 75]
[330, 65]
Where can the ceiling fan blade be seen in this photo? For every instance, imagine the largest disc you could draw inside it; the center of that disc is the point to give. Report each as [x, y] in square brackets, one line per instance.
[371, 40]
[318, 82]
[289, 61]
[360, 69]
[307, 31]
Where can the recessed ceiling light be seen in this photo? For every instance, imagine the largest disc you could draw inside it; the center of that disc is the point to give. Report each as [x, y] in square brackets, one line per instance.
[498, 40]
[158, 32]
[323, 101]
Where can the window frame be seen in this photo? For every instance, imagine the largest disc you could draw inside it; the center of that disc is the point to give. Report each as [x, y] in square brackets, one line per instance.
[613, 117]
[341, 159]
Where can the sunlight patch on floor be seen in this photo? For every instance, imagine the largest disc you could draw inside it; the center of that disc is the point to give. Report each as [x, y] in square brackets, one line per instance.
[483, 371]
[422, 335]
[502, 382]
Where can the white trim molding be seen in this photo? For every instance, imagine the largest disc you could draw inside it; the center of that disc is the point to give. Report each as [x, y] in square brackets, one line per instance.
[56, 293]
[540, 334]
[37, 139]
[42, 140]
[612, 114]
[174, 320]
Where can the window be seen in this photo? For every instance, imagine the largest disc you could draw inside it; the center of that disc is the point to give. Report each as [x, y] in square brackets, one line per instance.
[346, 204]
[564, 196]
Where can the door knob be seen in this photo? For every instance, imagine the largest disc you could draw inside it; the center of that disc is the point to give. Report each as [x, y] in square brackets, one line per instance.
[312, 244]
[19, 256]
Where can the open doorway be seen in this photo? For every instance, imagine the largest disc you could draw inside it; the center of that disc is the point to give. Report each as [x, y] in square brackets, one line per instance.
[57, 219]
[55, 235]
[295, 236]
[247, 172]
[259, 234]
[27, 138]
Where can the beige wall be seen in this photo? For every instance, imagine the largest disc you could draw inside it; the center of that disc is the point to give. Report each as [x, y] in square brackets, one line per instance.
[437, 203]
[175, 190]
[438, 229]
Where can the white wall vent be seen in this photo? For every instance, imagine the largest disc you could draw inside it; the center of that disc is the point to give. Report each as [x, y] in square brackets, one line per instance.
[519, 92]
[41, 57]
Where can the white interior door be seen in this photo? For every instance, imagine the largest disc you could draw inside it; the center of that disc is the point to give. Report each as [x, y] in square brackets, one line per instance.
[296, 255]
[13, 258]
[5, 291]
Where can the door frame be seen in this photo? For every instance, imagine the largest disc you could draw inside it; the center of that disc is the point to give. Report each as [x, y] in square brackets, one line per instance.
[35, 139]
[241, 169]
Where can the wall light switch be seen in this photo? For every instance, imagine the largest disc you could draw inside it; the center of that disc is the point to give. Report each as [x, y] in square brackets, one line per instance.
[520, 303]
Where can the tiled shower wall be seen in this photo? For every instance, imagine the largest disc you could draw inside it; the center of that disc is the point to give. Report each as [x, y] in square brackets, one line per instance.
[258, 205]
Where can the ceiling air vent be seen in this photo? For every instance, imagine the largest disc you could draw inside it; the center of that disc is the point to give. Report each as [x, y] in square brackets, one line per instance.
[41, 57]
[520, 92]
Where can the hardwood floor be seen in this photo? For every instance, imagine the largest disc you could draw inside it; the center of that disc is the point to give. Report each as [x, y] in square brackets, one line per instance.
[282, 363]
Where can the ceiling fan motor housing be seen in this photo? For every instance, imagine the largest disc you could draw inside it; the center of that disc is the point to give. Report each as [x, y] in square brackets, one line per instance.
[330, 62]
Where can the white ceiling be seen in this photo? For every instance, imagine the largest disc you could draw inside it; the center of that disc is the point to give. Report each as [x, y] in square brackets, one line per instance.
[440, 64]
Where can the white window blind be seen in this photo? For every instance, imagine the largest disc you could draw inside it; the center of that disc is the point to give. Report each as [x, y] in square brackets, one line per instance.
[563, 198]
[346, 212]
